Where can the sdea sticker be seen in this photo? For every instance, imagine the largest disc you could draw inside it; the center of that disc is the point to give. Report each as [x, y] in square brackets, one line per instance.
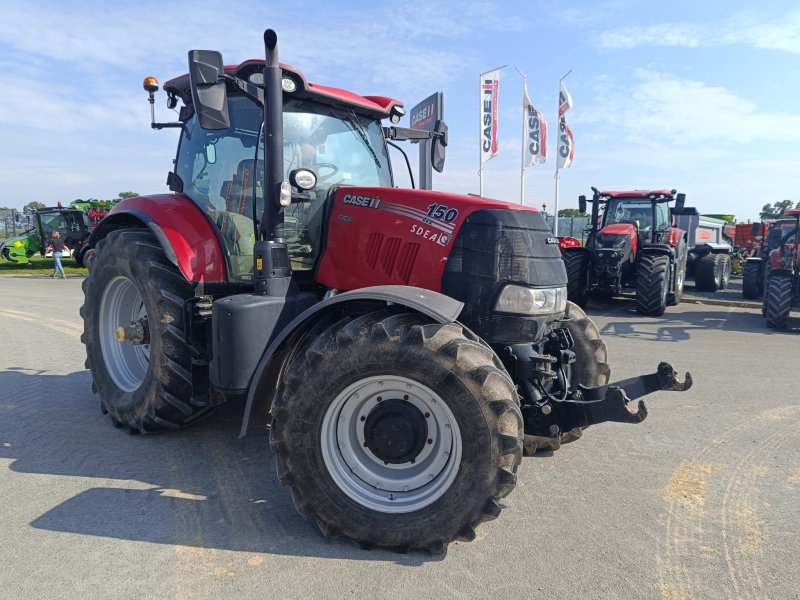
[365, 201]
[432, 236]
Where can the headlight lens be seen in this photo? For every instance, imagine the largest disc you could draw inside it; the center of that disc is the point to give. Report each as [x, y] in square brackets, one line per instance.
[531, 301]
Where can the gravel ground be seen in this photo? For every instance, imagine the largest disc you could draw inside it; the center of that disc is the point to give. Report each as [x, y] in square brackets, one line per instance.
[699, 501]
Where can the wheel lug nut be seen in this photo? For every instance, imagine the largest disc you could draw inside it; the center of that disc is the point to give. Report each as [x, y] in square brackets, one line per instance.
[427, 415]
[363, 418]
[430, 441]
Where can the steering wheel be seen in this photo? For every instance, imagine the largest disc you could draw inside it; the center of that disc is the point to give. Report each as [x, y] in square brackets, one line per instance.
[318, 167]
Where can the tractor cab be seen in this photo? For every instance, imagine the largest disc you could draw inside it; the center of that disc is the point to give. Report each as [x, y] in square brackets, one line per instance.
[648, 215]
[70, 224]
[782, 243]
[331, 138]
[216, 169]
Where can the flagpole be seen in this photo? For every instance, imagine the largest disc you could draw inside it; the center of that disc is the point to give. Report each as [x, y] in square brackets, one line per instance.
[480, 127]
[558, 133]
[522, 137]
[480, 133]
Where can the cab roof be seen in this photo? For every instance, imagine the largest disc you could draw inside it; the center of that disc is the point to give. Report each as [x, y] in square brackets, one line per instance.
[377, 106]
[639, 194]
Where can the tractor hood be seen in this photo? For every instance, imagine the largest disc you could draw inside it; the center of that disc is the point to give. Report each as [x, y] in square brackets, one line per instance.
[405, 237]
[627, 229]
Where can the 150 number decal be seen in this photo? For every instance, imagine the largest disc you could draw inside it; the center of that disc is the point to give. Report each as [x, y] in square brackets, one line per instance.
[442, 213]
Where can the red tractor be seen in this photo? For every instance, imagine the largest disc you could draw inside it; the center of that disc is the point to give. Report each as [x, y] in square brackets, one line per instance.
[782, 288]
[409, 345]
[756, 268]
[632, 245]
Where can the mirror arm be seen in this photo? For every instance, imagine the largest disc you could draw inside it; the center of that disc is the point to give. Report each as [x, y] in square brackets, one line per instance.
[165, 125]
[401, 134]
[253, 92]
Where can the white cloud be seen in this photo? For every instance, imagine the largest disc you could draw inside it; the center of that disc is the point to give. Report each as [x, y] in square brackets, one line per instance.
[740, 29]
[662, 108]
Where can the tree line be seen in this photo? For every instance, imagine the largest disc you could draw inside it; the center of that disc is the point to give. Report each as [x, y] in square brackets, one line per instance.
[36, 205]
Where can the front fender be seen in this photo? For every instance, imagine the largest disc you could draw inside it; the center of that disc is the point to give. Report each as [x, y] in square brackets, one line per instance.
[438, 307]
[189, 239]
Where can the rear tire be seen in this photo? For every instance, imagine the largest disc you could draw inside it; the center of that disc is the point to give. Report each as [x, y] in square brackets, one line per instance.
[708, 274]
[676, 295]
[752, 280]
[725, 267]
[329, 397]
[778, 301]
[652, 279]
[146, 387]
[577, 266]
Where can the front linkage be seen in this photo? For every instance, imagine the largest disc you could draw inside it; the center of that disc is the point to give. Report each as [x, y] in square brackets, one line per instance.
[556, 411]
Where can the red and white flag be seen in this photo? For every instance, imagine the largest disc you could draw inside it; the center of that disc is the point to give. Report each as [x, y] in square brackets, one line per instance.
[535, 132]
[490, 94]
[566, 142]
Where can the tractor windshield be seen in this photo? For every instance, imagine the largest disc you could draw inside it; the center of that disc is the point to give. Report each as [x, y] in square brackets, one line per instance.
[216, 168]
[644, 213]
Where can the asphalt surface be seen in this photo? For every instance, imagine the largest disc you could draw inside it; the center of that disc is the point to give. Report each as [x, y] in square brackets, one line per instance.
[699, 501]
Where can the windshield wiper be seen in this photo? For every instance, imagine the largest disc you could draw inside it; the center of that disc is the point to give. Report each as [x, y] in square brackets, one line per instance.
[359, 129]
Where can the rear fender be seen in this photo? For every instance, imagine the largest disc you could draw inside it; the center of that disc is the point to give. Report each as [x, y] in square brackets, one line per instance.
[267, 375]
[188, 238]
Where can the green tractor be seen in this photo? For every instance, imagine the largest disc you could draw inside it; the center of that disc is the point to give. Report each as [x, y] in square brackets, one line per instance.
[72, 225]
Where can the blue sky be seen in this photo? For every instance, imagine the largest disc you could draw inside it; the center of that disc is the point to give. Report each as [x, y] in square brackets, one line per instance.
[699, 96]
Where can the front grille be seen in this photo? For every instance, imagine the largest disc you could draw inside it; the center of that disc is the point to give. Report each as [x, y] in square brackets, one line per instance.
[492, 249]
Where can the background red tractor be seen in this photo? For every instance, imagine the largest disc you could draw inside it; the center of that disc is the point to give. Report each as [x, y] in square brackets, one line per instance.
[782, 290]
[768, 237]
[631, 246]
[407, 344]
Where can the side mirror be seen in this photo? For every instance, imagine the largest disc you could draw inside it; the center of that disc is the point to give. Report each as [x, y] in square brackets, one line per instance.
[438, 146]
[680, 202]
[207, 84]
[582, 203]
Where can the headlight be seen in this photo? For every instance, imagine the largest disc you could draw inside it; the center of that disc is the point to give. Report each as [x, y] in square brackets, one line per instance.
[614, 242]
[531, 301]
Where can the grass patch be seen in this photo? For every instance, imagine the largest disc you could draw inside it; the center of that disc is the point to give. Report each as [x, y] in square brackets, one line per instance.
[40, 266]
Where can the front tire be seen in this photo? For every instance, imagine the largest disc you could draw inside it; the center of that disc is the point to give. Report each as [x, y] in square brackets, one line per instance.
[752, 280]
[577, 266]
[457, 423]
[652, 278]
[146, 387]
[778, 301]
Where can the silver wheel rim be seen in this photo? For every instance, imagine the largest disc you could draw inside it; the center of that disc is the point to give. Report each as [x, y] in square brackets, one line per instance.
[125, 361]
[365, 478]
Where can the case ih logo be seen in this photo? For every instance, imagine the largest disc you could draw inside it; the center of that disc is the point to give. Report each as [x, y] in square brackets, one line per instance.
[365, 201]
[423, 117]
